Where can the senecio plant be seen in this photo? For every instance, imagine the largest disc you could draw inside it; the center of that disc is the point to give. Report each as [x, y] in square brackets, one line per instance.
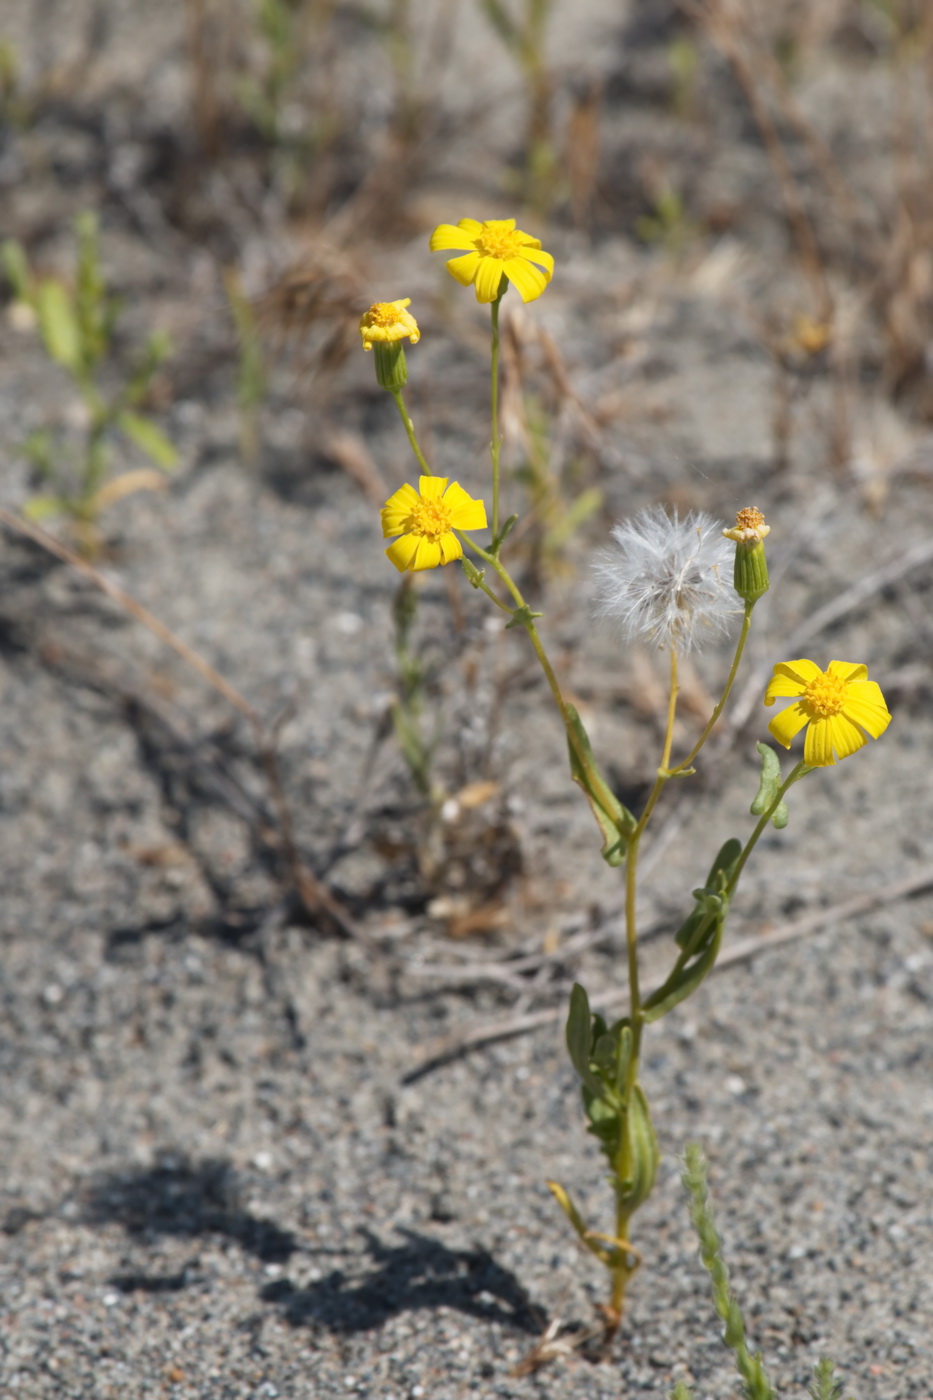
[668, 583]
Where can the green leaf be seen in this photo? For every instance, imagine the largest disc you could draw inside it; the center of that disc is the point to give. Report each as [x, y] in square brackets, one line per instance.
[501, 21]
[769, 786]
[39, 508]
[615, 821]
[580, 1037]
[503, 535]
[16, 268]
[640, 1167]
[474, 575]
[587, 1237]
[58, 324]
[716, 881]
[699, 936]
[522, 616]
[149, 438]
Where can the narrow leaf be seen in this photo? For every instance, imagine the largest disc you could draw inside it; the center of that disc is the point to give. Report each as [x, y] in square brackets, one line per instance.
[149, 439]
[58, 324]
[579, 1224]
[615, 821]
[16, 268]
[39, 508]
[768, 787]
[580, 1037]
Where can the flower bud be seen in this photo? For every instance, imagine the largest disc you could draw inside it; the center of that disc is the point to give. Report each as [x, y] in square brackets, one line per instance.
[383, 328]
[750, 578]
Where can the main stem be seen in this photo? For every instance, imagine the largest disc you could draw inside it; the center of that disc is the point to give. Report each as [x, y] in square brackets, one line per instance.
[623, 1270]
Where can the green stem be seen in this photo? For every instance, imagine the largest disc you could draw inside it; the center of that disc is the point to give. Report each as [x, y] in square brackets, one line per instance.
[528, 623]
[494, 413]
[622, 1270]
[796, 774]
[736, 661]
[410, 430]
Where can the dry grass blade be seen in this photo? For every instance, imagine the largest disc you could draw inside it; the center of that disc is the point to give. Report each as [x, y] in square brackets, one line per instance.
[315, 897]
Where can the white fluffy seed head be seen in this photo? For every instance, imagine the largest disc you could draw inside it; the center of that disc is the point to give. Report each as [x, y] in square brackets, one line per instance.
[669, 582]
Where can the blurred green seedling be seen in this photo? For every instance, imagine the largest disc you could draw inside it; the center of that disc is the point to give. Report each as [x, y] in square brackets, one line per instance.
[522, 29]
[265, 96]
[408, 707]
[669, 226]
[251, 369]
[76, 322]
[559, 505]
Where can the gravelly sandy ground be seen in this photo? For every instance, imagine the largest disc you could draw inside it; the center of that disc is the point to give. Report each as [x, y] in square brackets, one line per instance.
[222, 1178]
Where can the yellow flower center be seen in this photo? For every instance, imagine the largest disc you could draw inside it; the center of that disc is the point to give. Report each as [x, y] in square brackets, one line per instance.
[499, 243]
[430, 518]
[825, 696]
[383, 313]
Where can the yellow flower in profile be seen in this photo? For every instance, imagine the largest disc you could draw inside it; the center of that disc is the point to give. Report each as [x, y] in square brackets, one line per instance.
[426, 520]
[497, 249]
[388, 321]
[839, 704]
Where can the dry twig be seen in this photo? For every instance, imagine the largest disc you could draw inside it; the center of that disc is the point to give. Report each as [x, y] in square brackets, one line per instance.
[451, 1047]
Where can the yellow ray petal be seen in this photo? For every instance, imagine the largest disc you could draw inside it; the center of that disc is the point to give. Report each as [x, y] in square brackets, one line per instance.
[847, 670]
[465, 513]
[450, 548]
[791, 678]
[427, 555]
[432, 486]
[538, 255]
[527, 280]
[463, 269]
[818, 745]
[846, 737]
[488, 279]
[787, 724]
[864, 703]
[402, 552]
[397, 510]
[447, 237]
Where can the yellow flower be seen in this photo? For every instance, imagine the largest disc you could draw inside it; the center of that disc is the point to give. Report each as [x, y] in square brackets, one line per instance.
[497, 249]
[426, 520]
[840, 704]
[388, 321]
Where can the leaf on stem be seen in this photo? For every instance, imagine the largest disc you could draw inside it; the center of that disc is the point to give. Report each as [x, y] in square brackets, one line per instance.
[589, 1238]
[149, 439]
[615, 821]
[580, 1037]
[768, 787]
[522, 617]
[699, 936]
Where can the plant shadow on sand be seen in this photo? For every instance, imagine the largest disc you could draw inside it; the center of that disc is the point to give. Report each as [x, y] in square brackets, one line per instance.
[420, 1273]
[189, 1199]
[185, 1199]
